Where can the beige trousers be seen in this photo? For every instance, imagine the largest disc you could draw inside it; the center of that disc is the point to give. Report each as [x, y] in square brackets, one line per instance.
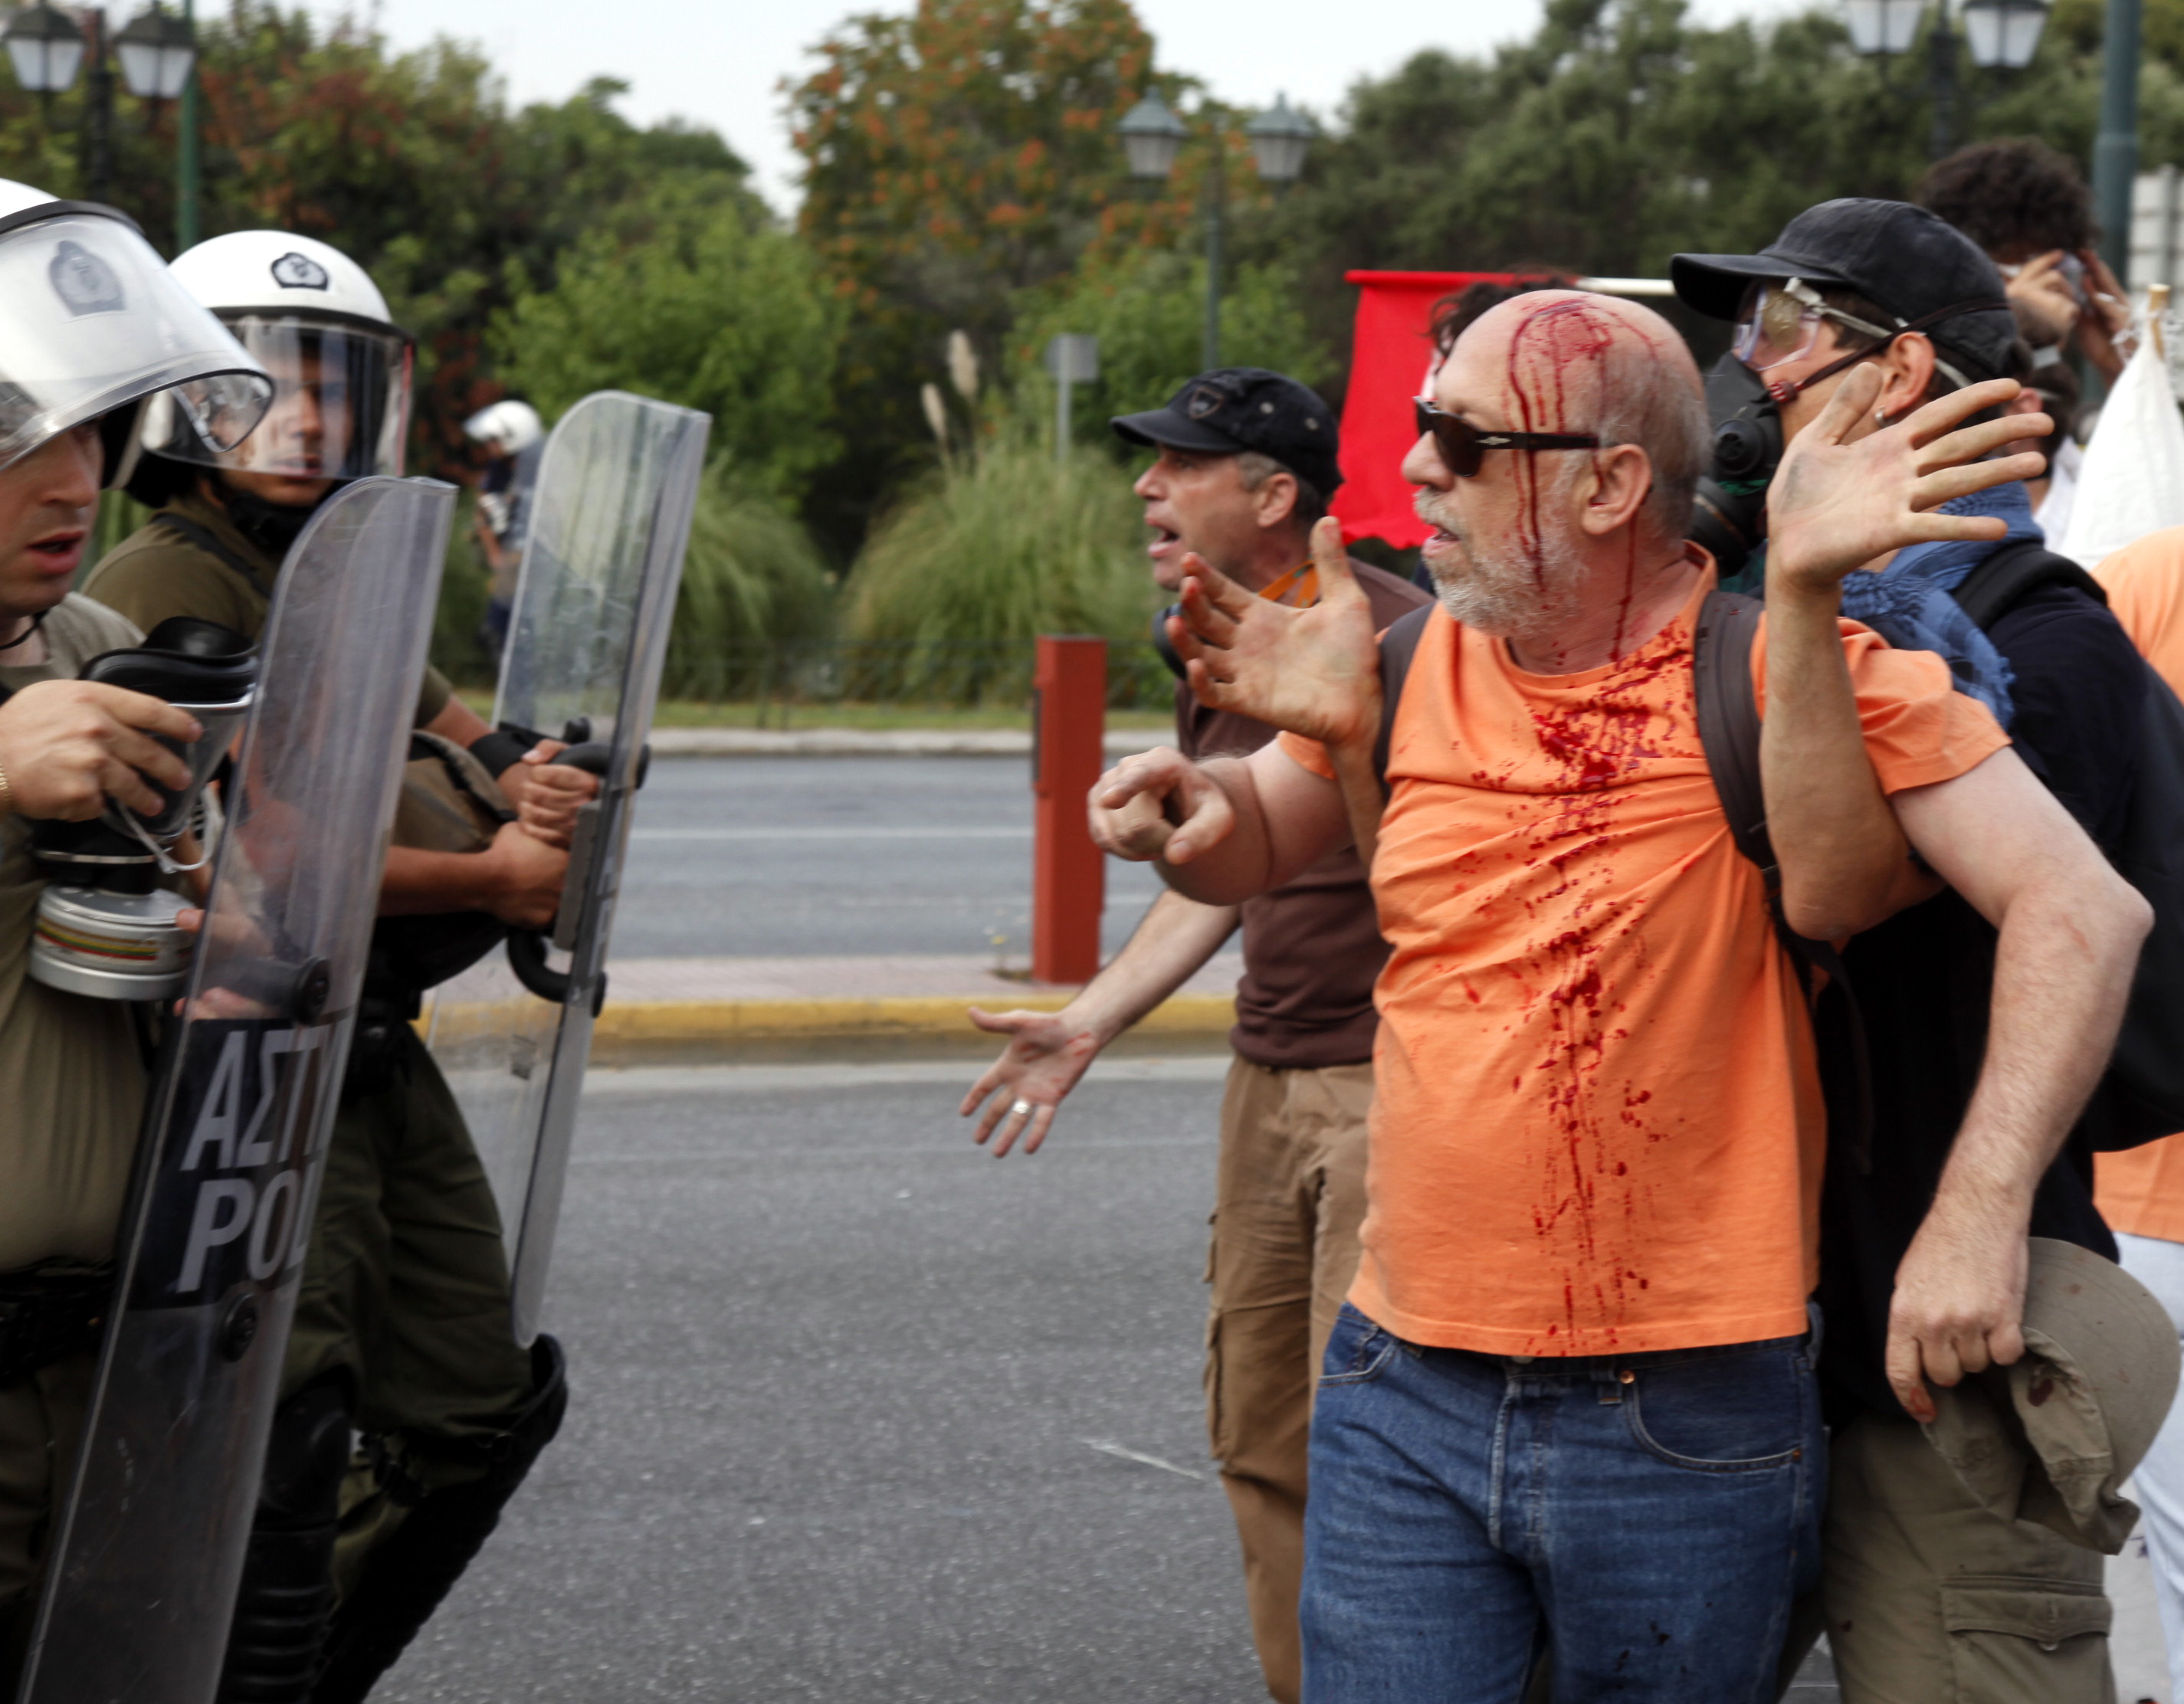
[1291, 1195]
[1932, 1599]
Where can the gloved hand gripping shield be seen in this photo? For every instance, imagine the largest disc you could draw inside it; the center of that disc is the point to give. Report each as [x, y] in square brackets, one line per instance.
[586, 639]
[146, 1555]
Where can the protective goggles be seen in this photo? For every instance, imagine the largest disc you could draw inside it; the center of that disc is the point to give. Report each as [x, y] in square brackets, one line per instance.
[1781, 321]
[1463, 446]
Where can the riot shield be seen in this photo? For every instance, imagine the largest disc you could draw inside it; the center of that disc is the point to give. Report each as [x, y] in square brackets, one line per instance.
[610, 519]
[149, 1547]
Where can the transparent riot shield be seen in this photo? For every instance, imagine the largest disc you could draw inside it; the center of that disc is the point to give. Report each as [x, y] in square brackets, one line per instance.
[586, 640]
[149, 1547]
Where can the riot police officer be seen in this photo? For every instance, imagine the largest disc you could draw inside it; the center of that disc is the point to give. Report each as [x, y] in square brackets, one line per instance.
[91, 325]
[402, 1329]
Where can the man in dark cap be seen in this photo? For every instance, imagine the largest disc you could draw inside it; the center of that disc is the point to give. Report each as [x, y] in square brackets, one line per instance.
[1246, 464]
[1927, 1593]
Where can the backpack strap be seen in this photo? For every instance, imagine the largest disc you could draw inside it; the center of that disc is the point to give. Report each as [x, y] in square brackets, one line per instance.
[1398, 645]
[2011, 572]
[198, 533]
[1729, 730]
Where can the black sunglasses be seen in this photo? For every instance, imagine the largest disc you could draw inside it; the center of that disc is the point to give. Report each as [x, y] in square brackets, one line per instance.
[1463, 446]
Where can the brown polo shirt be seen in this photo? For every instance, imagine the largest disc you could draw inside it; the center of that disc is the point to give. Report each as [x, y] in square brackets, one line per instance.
[1311, 948]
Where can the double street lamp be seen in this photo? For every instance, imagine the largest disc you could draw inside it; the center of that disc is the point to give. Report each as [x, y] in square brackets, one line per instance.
[2001, 34]
[1153, 134]
[158, 51]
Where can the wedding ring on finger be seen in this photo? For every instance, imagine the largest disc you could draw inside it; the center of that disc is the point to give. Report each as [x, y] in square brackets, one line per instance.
[1022, 1109]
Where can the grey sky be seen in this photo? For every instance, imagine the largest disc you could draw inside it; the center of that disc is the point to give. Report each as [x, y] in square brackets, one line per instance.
[720, 65]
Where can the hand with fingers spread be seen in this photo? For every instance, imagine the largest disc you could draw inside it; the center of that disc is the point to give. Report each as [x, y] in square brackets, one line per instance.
[1047, 1053]
[1313, 671]
[1123, 827]
[1845, 496]
[1960, 1302]
[67, 746]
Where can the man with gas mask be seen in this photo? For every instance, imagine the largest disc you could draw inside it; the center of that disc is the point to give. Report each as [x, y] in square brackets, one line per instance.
[1856, 313]
[402, 1330]
[91, 325]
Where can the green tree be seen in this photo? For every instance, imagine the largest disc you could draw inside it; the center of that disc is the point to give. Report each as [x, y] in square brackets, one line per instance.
[954, 156]
[1622, 133]
[1146, 306]
[412, 163]
[693, 299]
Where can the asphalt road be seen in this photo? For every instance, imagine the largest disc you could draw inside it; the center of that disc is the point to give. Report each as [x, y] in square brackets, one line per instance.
[772, 857]
[851, 1402]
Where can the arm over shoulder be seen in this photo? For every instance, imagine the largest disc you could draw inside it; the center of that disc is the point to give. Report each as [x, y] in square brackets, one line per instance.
[1918, 729]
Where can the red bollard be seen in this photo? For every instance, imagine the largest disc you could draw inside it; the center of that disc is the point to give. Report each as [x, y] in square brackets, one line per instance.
[1069, 875]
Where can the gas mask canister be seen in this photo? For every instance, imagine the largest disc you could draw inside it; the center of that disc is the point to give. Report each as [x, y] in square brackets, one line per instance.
[105, 926]
[1730, 517]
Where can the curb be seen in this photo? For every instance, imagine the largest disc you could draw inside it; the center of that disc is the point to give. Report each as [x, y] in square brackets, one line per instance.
[684, 1032]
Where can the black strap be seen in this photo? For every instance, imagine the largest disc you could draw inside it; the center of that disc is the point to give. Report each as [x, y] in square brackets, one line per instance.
[1398, 645]
[1729, 730]
[2014, 570]
[212, 545]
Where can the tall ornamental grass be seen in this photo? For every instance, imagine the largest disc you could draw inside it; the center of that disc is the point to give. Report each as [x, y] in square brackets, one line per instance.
[1006, 546]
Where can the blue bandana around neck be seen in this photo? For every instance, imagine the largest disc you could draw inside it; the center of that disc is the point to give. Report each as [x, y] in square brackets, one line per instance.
[1908, 603]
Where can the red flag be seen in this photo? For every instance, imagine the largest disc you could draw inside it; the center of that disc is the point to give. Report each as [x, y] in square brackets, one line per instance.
[1391, 354]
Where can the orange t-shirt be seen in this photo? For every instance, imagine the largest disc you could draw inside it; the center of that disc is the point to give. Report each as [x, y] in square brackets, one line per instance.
[2141, 1190]
[1597, 1123]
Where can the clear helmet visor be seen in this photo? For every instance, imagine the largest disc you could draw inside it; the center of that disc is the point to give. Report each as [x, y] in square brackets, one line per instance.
[340, 408]
[90, 321]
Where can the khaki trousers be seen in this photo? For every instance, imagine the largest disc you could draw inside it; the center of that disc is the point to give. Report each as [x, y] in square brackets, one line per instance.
[405, 1291]
[1291, 1195]
[1932, 1599]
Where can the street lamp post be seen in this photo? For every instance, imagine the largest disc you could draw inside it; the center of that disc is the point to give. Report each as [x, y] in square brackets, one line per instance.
[1152, 136]
[159, 55]
[2002, 35]
[2115, 147]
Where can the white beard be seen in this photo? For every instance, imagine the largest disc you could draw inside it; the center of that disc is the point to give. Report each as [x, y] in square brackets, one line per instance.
[1500, 588]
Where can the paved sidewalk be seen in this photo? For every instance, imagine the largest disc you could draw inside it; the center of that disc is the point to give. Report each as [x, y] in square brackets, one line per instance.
[663, 1011]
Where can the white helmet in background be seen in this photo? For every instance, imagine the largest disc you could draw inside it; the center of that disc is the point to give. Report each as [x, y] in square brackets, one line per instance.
[91, 323]
[341, 366]
[510, 426]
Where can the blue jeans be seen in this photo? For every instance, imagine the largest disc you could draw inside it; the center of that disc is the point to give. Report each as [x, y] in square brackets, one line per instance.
[1645, 1519]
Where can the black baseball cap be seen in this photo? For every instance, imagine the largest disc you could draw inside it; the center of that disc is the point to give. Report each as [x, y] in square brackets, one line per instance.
[1232, 410]
[1925, 272]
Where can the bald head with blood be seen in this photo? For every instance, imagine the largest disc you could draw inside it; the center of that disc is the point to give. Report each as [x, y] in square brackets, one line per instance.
[1541, 542]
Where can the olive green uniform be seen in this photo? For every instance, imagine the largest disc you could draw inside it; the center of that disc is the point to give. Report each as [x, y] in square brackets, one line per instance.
[73, 1083]
[405, 1287]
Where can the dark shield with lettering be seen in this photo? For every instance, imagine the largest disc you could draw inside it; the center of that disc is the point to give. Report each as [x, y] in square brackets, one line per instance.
[587, 638]
[148, 1549]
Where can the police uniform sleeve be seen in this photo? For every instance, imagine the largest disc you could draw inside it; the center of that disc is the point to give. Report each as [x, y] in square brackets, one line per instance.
[433, 697]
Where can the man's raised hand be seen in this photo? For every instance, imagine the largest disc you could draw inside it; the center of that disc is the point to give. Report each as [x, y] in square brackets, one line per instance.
[1313, 671]
[1840, 501]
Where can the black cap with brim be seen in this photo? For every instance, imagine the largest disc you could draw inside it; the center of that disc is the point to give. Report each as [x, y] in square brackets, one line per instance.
[1165, 429]
[1714, 284]
[1232, 409]
[1902, 258]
